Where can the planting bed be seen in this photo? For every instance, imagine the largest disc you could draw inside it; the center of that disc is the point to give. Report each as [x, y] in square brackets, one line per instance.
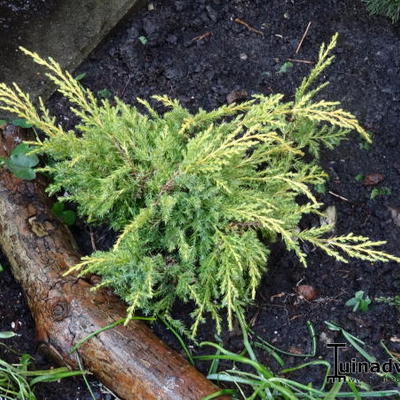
[196, 52]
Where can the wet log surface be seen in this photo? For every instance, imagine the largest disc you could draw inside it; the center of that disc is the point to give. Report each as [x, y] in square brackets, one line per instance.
[130, 360]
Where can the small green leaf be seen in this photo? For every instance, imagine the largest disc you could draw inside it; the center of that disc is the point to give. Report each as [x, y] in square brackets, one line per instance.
[27, 174]
[3, 123]
[22, 123]
[80, 76]
[104, 93]
[7, 335]
[285, 67]
[332, 326]
[358, 302]
[22, 148]
[57, 208]
[383, 191]
[21, 163]
[351, 302]
[143, 40]
[364, 304]
[374, 193]
[365, 146]
[320, 188]
[66, 216]
[23, 160]
[359, 177]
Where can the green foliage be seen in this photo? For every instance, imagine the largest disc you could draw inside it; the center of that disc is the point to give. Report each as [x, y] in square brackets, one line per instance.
[392, 301]
[365, 145]
[66, 216]
[285, 67]
[21, 162]
[81, 76]
[359, 177]
[360, 346]
[143, 40]
[6, 334]
[383, 191]
[17, 381]
[104, 94]
[263, 384]
[388, 8]
[320, 188]
[358, 302]
[22, 123]
[196, 197]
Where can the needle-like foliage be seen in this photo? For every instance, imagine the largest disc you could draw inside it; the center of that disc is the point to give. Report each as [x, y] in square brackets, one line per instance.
[196, 197]
[388, 8]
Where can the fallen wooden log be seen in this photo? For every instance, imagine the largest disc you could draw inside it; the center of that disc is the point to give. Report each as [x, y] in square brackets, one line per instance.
[130, 360]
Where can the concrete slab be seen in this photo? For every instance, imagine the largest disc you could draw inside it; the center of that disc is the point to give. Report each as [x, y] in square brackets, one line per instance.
[67, 30]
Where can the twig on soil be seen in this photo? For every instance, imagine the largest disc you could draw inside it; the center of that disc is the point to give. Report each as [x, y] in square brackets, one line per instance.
[303, 37]
[126, 85]
[249, 27]
[92, 240]
[346, 273]
[254, 318]
[339, 196]
[203, 36]
[300, 61]
[279, 295]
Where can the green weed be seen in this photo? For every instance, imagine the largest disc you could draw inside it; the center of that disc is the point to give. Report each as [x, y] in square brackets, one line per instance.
[358, 302]
[21, 162]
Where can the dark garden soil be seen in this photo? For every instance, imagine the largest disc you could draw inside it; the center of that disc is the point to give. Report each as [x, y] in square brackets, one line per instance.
[20, 11]
[196, 52]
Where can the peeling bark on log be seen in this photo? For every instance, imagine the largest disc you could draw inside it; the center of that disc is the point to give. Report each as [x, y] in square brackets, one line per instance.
[130, 360]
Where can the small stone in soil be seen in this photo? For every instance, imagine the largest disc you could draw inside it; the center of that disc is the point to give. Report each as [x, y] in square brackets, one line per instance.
[373, 179]
[294, 350]
[395, 213]
[324, 338]
[236, 96]
[329, 217]
[307, 292]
